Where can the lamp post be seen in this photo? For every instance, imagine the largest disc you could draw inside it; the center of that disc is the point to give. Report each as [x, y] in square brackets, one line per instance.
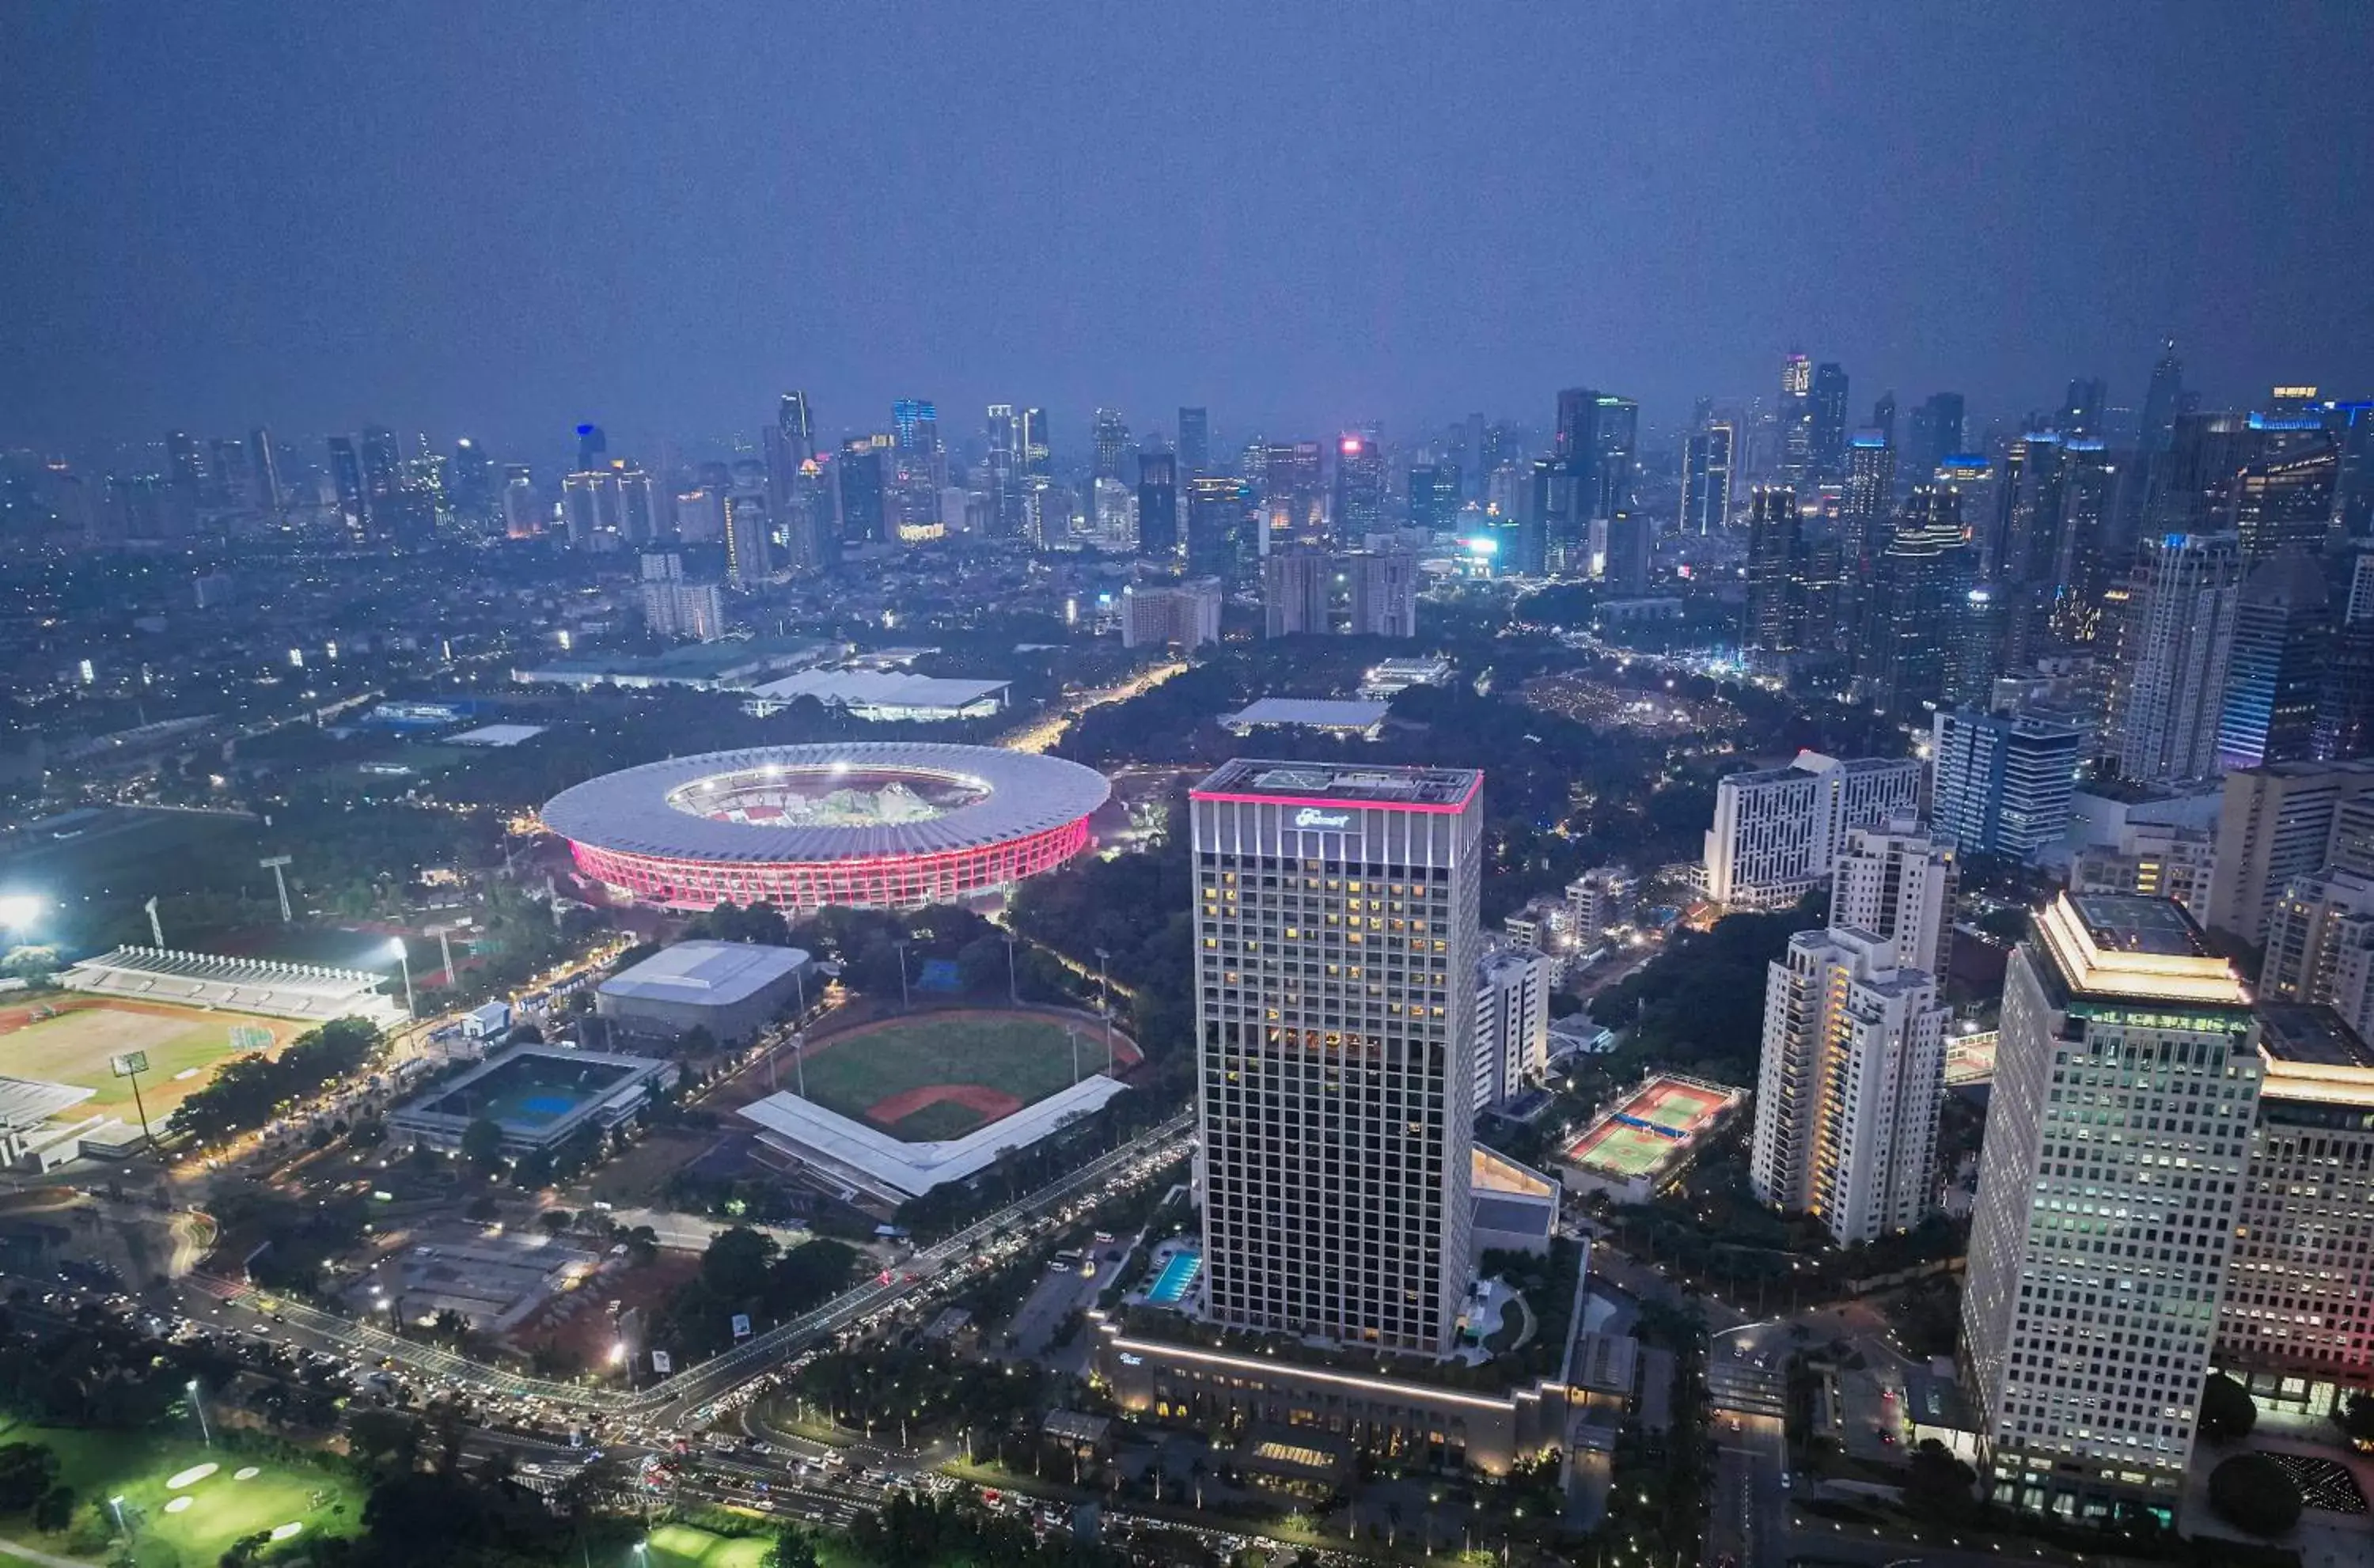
[1013, 984]
[198, 1404]
[396, 951]
[1104, 1005]
[903, 1003]
[116, 1503]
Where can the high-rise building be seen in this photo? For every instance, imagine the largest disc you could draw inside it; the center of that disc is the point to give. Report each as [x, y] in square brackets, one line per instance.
[263, 464]
[1852, 1070]
[1294, 592]
[1434, 496]
[1778, 831]
[1037, 452]
[1513, 1022]
[1897, 880]
[2003, 781]
[2083, 407]
[1195, 441]
[1600, 898]
[1158, 508]
[347, 483]
[1918, 581]
[1776, 574]
[1359, 506]
[1293, 499]
[2149, 860]
[2321, 942]
[2127, 1077]
[1185, 615]
[2176, 647]
[2156, 426]
[2292, 1321]
[1936, 433]
[1111, 436]
[1796, 422]
[1336, 1108]
[749, 553]
[1883, 417]
[2283, 631]
[592, 449]
[796, 425]
[2285, 501]
[2275, 824]
[1709, 454]
[523, 516]
[914, 429]
[2344, 709]
[1828, 406]
[864, 487]
[1381, 586]
[1220, 538]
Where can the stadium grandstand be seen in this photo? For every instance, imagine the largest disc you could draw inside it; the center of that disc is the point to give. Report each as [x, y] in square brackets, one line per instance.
[35, 1130]
[309, 992]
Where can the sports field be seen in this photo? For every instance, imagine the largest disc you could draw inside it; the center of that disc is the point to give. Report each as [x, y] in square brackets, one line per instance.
[195, 1522]
[1650, 1128]
[686, 1546]
[184, 1046]
[940, 1075]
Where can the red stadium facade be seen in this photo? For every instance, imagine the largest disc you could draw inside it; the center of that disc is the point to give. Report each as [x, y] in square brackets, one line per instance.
[890, 825]
[888, 881]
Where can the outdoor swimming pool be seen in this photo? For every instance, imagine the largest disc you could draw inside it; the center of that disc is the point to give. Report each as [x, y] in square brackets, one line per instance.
[1177, 1277]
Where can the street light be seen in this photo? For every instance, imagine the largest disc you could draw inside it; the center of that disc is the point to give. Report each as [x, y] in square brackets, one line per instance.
[19, 910]
[116, 1503]
[198, 1404]
[395, 950]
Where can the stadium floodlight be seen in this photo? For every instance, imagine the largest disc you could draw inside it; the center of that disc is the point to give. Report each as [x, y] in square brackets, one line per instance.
[20, 909]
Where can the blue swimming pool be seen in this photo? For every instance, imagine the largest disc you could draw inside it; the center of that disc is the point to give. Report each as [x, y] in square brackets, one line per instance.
[1177, 1276]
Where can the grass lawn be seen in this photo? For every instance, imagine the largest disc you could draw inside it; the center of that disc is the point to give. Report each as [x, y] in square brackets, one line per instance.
[183, 1047]
[136, 1466]
[685, 1545]
[1027, 1057]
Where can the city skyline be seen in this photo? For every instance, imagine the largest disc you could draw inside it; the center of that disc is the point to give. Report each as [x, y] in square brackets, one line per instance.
[420, 251]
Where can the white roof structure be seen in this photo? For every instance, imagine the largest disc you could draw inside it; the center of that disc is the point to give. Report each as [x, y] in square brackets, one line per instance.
[1309, 713]
[868, 1158]
[686, 807]
[496, 735]
[717, 974]
[29, 1102]
[236, 985]
[888, 694]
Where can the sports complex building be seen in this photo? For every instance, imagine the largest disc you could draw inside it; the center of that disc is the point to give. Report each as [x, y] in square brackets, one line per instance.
[879, 825]
[539, 1096]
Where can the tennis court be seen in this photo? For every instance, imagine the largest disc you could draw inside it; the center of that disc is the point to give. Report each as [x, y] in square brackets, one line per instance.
[1650, 1128]
[1682, 1107]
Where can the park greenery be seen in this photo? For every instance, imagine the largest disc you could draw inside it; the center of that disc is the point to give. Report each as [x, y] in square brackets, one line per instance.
[748, 1274]
[2254, 1494]
[249, 1091]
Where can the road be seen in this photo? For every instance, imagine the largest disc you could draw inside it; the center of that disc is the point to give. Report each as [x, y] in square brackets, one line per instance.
[1042, 734]
[684, 1394]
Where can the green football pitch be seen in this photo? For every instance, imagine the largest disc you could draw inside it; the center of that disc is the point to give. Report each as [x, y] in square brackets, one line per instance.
[221, 1496]
[1628, 1150]
[183, 1047]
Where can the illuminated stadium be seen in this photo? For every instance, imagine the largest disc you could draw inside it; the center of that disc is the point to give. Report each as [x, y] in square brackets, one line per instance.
[880, 826]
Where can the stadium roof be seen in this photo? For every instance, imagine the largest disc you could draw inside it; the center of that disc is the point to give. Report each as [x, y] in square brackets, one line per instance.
[717, 974]
[863, 690]
[26, 1102]
[834, 1142]
[1309, 713]
[1022, 793]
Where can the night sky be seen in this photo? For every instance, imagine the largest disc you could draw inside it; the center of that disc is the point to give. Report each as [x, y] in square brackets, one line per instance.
[499, 220]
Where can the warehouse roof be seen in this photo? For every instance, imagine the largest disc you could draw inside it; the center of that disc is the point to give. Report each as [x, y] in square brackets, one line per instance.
[717, 974]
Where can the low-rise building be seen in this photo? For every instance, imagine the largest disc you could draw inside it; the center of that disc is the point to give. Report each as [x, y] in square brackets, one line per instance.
[734, 989]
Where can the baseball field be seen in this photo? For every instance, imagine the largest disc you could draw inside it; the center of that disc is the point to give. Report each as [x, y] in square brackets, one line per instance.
[939, 1075]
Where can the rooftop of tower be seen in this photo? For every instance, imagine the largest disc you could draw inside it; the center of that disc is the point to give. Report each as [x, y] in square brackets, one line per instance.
[1327, 783]
[2312, 1053]
[2147, 948]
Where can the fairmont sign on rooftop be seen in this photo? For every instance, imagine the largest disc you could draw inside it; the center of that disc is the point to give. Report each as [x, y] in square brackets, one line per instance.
[1310, 817]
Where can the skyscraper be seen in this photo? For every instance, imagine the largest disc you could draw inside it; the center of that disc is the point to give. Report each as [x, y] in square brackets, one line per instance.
[2285, 501]
[1796, 421]
[1293, 499]
[1295, 584]
[1038, 454]
[2127, 1076]
[2275, 824]
[797, 426]
[863, 491]
[1936, 433]
[1195, 441]
[1707, 457]
[2283, 630]
[2082, 408]
[2156, 426]
[1896, 880]
[592, 449]
[1917, 582]
[1776, 569]
[1220, 526]
[1111, 437]
[1778, 831]
[1158, 508]
[264, 463]
[1828, 400]
[2176, 645]
[2004, 781]
[346, 481]
[1381, 590]
[1434, 496]
[1336, 1115]
[1359, 505]
[1853, 1069]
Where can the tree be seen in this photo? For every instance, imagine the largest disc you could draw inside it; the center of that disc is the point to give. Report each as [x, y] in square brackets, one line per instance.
[735, 1266]
[792, 1548]
[2252, 1494]
[54, 1512]
[1939, 1484]
[27, 1471]
[2226, 1412]
[33, 965]
[2357, 1419]
[482, 1143]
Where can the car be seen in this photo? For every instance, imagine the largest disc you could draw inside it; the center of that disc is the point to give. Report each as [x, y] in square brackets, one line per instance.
[1785, 1479]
